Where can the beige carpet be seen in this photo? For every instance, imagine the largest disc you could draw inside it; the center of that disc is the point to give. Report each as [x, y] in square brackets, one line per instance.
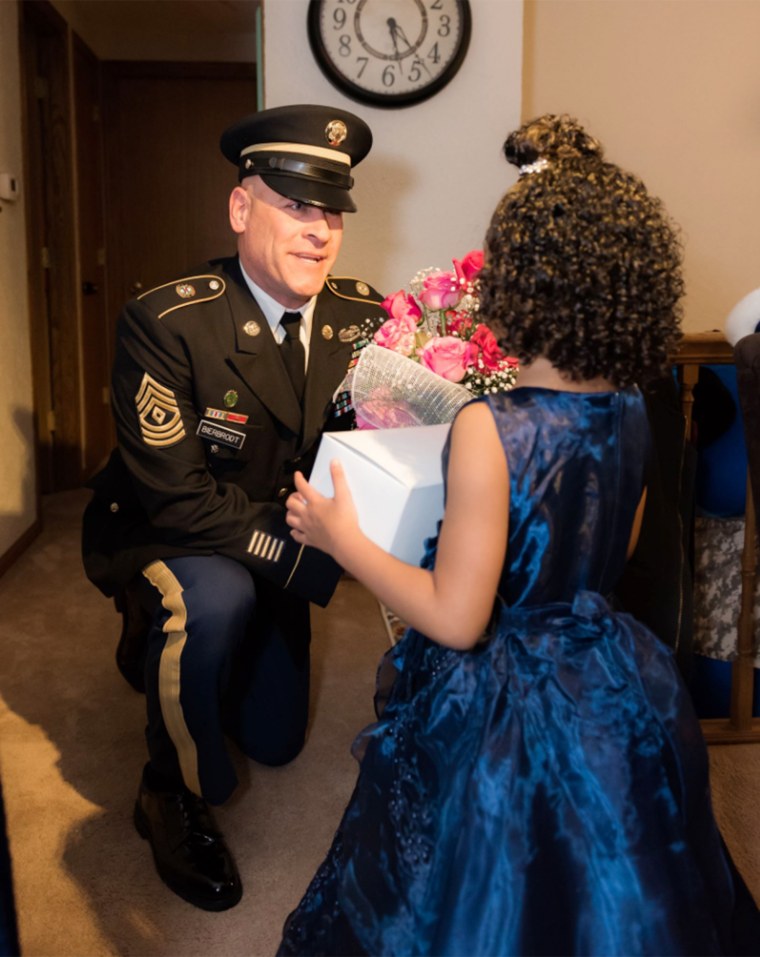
[71, 751]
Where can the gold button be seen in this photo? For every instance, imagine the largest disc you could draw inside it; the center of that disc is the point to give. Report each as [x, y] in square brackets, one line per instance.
[114, 506]
[283, 492]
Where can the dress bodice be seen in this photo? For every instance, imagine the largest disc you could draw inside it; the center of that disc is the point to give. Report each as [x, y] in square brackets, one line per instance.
[572, 503]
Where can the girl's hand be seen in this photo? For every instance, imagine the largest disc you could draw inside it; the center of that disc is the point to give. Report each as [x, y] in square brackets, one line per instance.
[324, 523]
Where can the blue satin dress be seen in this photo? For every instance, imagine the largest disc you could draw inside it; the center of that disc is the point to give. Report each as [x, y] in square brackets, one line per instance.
[546, 792]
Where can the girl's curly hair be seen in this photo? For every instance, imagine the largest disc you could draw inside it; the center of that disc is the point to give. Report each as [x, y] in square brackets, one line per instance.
[582, 265]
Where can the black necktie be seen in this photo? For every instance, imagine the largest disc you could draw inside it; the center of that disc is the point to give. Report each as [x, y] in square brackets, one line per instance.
[292, 351]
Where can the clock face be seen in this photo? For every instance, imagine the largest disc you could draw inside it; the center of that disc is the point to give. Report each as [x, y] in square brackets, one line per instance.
[389, 52]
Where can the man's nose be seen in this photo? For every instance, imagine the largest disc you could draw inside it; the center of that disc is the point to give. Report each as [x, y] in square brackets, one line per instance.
[320, 224]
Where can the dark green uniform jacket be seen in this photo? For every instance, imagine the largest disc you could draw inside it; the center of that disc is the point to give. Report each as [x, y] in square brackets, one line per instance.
[210, 431]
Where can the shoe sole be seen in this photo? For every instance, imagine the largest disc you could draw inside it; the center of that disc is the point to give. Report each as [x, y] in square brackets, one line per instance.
[143, 829]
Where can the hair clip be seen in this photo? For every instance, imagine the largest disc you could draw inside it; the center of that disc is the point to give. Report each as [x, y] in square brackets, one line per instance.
[535, 167]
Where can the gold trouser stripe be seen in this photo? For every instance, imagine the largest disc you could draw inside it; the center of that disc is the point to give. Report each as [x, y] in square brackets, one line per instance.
[175, 628]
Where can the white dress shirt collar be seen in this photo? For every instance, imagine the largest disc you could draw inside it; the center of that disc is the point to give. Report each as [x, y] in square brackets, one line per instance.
[273, 311]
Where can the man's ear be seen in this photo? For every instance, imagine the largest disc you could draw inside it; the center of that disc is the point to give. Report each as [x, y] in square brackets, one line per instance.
[240, 208]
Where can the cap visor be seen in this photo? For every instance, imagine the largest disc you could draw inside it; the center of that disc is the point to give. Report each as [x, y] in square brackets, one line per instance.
[311, 191]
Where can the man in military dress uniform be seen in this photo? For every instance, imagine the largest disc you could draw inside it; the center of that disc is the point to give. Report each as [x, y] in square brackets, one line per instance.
[223, 382]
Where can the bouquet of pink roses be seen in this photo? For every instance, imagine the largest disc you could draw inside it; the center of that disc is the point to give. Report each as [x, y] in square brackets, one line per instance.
[436, 324]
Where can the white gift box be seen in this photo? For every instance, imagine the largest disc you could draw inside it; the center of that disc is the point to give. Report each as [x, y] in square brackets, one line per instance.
[396, 481]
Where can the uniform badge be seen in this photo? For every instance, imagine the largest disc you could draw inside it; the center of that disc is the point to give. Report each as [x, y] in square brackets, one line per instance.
[225, 416]
[252, 328]
[327, 332]
[230, 399]
[185, 290]
[335, 132]
[221, 434]
[214, 284]
[158, 414]
[349, 334]
[362, 288]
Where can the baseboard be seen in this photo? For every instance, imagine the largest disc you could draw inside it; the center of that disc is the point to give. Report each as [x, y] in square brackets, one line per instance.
[19, 546]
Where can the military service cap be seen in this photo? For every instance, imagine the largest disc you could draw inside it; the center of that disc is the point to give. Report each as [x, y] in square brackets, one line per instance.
[303, 152]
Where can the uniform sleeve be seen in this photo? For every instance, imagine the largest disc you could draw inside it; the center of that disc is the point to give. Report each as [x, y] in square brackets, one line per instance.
[156, 423]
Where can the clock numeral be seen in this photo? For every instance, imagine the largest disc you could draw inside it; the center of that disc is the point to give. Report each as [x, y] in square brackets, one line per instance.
[388, 76]
[434, 55]
[339, 18]
[445, 28]
[344, 48]
[415, 74]
[436, 5]
[364, 60]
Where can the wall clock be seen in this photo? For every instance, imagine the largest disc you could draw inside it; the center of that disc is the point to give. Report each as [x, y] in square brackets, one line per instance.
[389, 53]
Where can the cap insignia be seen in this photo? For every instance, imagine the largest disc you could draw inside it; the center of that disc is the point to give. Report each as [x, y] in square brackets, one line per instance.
[252, 328]
[230, 399]
[185, 290]
[335, 132]
[349, 334]
[327, 332]
[362, 288]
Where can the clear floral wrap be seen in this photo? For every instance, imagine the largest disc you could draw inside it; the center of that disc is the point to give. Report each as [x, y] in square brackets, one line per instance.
[390, 391]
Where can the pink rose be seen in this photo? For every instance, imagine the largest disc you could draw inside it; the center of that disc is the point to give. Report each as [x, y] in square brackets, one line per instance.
[469, 267]
[397, 334]
[440, 290]
[446, 356]
[402, 306]
[483, 345]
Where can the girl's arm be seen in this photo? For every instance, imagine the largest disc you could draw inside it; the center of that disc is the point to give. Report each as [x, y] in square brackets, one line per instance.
[453, 603]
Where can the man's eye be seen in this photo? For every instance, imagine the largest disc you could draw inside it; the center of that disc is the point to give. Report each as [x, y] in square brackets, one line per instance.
[296, 206]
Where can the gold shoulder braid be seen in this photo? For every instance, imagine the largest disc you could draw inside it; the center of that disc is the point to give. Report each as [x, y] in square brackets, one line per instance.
[187, 291]
[347, 287]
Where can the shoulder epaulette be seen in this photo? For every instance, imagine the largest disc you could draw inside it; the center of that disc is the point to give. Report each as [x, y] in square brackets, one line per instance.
[188, 291]
[347, 287]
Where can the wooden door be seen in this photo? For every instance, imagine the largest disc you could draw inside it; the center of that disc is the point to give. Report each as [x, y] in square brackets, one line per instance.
[167, 182]
[51, 246]
[96, 350]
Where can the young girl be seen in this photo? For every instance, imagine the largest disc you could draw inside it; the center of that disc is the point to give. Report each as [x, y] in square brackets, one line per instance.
[537, 782]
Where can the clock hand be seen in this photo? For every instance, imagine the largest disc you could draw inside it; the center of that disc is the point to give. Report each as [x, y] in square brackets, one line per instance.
[399, 32]
[393, 27]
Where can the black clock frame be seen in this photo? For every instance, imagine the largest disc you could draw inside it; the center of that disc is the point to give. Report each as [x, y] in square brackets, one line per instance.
[385, 100]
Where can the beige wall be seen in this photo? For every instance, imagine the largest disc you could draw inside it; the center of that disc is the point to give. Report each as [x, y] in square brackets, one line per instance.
[17, 467]
[427, 190]
[672, 88]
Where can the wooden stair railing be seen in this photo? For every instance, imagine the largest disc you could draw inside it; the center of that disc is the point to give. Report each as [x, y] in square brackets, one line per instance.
[740, 726]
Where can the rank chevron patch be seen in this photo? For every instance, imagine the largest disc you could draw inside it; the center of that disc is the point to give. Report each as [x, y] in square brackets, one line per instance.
[159, 415]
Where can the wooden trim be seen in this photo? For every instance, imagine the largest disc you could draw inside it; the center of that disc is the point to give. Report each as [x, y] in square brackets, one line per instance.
[182, 70]
[723, 731]
[19, 546]
[703, 348]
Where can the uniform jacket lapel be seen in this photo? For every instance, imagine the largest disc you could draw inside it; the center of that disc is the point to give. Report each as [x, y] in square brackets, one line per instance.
[257, 357]
[328, 362]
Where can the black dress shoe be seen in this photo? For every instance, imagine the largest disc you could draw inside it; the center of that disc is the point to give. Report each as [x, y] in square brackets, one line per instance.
[190, 853]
